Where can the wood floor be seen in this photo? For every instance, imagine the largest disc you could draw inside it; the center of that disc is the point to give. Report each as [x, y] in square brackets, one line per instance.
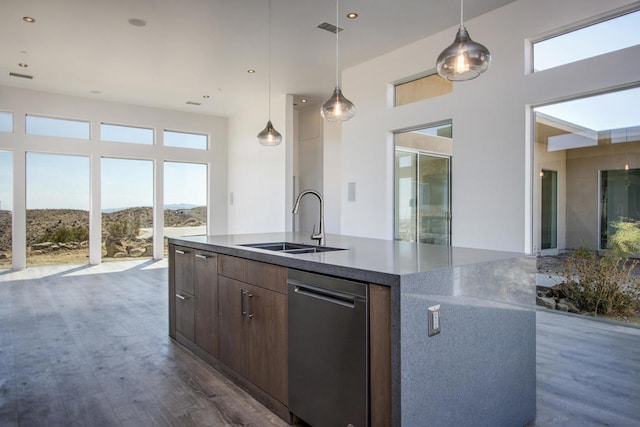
[88, 346]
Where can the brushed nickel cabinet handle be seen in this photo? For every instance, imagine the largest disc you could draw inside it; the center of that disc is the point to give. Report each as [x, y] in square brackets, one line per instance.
[178, 251]
[242, 294]
[182, 297]
[249, 295]
[201, 256]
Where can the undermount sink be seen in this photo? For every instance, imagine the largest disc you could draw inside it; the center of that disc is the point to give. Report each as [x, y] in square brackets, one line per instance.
[291, 248]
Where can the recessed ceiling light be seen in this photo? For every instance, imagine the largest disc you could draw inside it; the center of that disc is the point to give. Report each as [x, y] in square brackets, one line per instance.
[352, 15]
[304, 100]
[23, 65]
[28, 19]
[137, 22]
[251, 71]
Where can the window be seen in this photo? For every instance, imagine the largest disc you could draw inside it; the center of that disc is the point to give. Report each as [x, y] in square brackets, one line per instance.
[127, 208]
[586, 161]
[423, 88]
[6, 122]
[130, 134]
[597, 39]
[57, 209]
[185, 140]
[49, 126]
[185, 199]
[6, 208]
[423, 185]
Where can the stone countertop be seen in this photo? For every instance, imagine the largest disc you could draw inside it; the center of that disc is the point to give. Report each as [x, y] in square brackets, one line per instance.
[372, 260]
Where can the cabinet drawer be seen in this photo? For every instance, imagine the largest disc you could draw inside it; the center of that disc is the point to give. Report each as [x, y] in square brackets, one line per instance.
[185, 320]
[268, 276]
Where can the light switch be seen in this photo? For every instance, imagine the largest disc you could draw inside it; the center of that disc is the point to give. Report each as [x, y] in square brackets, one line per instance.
[434, 320]
[351, 191]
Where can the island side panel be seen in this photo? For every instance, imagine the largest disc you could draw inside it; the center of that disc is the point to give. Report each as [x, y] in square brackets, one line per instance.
[480, 369]
[380, 355]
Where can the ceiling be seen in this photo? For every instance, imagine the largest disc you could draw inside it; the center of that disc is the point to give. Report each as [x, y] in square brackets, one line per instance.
[192, 48]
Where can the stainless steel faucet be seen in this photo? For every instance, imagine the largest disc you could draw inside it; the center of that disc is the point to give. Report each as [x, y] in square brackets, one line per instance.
[319, 236]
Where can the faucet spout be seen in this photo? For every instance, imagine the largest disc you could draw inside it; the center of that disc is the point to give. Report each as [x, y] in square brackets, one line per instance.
[319, 236]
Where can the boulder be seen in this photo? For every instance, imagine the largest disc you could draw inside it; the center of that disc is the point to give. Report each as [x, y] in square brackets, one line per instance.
[114, 246]
[546, 302]
[42, 246]
[571, 308]
[136, 252]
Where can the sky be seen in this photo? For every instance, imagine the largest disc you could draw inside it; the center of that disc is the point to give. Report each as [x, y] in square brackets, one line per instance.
[60, 181]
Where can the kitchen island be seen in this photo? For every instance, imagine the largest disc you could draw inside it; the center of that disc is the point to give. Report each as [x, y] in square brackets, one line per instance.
[474, 366]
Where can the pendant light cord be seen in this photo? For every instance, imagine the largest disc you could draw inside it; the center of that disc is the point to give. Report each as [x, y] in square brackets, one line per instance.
[269, 73]
[461, 9]
[337, 44]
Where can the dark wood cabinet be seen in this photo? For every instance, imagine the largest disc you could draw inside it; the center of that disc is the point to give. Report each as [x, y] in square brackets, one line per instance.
[205, 282]
[233, 325]
[183, 295]
[193, 285]
[253, 323]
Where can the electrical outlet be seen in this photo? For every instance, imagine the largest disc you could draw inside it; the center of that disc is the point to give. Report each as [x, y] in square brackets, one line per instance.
[434, 320]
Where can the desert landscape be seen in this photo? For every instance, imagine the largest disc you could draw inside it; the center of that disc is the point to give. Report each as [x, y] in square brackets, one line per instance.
[60, 236]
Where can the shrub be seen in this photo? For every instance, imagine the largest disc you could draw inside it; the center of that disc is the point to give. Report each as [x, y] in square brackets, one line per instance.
[626, 240]
[601, 285]
[125, 229]
[64, 235]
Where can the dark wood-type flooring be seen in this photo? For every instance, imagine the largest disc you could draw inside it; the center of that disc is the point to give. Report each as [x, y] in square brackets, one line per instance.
[89, 346]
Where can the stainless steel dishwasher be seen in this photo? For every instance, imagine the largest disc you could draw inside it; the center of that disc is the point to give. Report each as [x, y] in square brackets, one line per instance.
[328, 350]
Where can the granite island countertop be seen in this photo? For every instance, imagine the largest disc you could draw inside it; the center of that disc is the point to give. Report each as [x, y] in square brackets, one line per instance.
[374, 260]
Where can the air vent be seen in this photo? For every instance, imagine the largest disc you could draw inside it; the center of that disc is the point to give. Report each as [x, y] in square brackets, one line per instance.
[193, 103]
[22, 76]
[329, 27]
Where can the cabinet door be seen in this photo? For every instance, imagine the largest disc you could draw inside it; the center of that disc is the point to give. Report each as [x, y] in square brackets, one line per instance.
[267, 320]
[232, 337]
[205, 279]
[183, 296]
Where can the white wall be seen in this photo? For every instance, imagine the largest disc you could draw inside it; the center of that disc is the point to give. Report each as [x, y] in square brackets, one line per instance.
[319, 160]
[20, 102]
[491, 184]
[259, 177]
[310, 166]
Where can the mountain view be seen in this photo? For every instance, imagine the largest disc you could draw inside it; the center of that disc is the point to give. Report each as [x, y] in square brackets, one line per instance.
[57, 236]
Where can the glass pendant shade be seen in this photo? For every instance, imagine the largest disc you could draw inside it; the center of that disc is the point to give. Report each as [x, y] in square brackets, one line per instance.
[269, 136]
[338, 108]
[464, 59]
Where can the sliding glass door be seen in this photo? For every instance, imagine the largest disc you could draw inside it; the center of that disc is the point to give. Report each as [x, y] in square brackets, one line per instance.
[423, 197]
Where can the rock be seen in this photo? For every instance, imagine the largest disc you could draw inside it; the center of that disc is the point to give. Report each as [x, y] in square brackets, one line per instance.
[114, 246]
[136, 252]
[3, 256]
[43, 245]
[546, 302]
[571, 308]
[120, 255]
[562, 306]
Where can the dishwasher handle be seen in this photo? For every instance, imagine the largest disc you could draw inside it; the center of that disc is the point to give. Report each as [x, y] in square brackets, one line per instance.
[326, 295]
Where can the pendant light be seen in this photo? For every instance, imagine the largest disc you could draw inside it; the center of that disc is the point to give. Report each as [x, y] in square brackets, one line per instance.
[269, 135]
[337, 108]
[464, 59]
